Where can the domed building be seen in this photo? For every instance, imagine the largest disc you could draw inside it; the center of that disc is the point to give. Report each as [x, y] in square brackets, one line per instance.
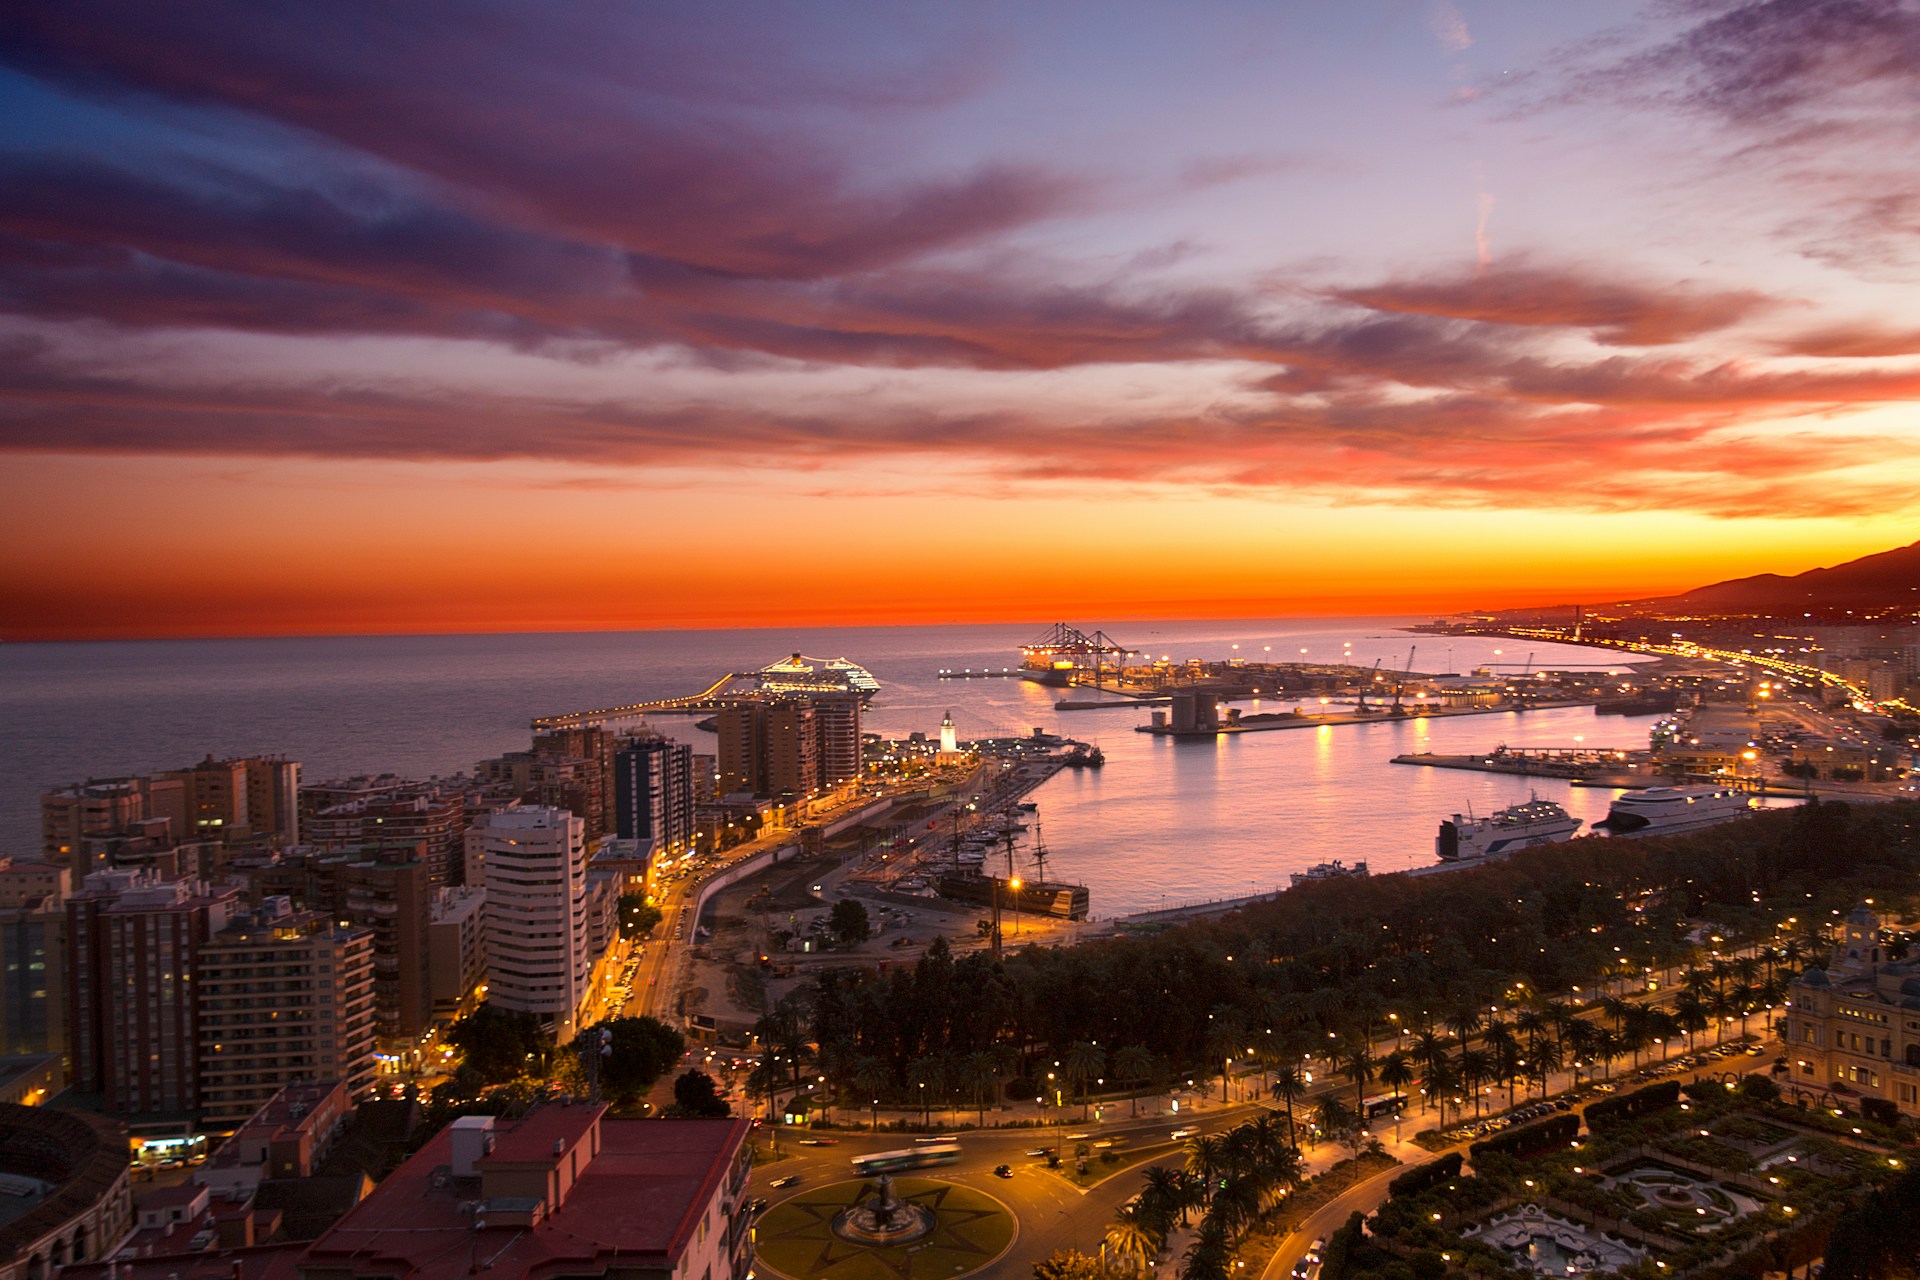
[1853, 1025]
[68, 1194]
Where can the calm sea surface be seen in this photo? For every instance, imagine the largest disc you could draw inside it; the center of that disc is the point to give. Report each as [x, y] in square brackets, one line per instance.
[1163, 822]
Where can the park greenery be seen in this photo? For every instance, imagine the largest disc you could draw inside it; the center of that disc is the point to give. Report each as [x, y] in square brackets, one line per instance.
[1489, 976]
[508, 1060]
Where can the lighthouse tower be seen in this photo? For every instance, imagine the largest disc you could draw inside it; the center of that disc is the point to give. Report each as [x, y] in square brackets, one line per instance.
[949, 741]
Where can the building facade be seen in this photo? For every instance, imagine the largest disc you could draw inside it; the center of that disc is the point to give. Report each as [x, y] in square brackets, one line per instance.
[653, 794]
[133, 946]
[283, 996]
[533, 864]
[1853, 1025]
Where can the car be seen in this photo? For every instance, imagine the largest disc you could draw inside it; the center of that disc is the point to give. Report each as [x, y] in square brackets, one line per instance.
[1182, 1134]
[932, 1138]
[1302, 1269]
[1002, 1171]
[1078, 1137]
[791, 1180]
[757, 1205]
[1040, 1153]
[1313, 1250]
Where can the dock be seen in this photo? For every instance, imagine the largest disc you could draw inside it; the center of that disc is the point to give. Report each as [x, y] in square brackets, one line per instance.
[1265, 721]
[1590, 766]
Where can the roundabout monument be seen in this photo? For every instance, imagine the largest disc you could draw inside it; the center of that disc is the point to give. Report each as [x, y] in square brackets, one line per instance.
[884, 1229]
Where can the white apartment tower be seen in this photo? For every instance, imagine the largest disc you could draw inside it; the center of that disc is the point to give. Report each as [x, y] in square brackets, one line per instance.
[532, 862]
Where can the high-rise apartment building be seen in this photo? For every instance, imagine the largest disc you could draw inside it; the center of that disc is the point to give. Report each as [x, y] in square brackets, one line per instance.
[533, 864]
[366, 812]
[88, 826]
[385, 890]
[33, 957]
[653, 794]
[457, 945]
[133, 945]
[282, 995]
[741, 731]
[840, 748]
[793, 747]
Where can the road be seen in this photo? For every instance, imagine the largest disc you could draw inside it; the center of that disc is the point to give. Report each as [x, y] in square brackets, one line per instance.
[1051, 1211]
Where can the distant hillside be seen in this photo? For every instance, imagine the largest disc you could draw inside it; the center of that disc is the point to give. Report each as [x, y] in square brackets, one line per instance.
[1871, 582]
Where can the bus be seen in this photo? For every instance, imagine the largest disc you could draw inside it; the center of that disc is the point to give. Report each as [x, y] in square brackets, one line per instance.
[1384, 1104]
[911, 1158]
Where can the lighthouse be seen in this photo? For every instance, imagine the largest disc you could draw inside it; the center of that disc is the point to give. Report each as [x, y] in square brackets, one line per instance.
[949, 742]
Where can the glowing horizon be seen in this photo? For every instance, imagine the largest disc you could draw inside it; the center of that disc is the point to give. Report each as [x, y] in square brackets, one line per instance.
[394, 320]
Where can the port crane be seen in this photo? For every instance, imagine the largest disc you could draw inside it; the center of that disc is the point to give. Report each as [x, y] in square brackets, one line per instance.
[1521, 700]
[1400, 682]
[1360, 708]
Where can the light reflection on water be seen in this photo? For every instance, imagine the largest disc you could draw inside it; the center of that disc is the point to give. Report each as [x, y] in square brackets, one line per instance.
[1165, 820]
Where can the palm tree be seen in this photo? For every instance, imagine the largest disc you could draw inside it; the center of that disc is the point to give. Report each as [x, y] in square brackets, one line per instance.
[1617, 1008]
[1633, 1032]
[1690, 1015]
[1226, 1038]
[1287, 1083]
[1164, 1195]
[1505, 1060]
[1208, 1258]
[1463, 1022]
[1132, 1236]
[1721, 1005]
[1084, 1061]
[1745, 995]
[1441, 1079]
[1131, 1066]
[1236, 1204]
[1544, 1060]
[1356, 1064]
[982, 1076]
[1206, 1157]
[1476, 1067]
[1532, 1023]
[927, 1079]
[1580, 1042]
[1396, 1072]
[1333, 1116]
[870, 1077]
[1607, 1047]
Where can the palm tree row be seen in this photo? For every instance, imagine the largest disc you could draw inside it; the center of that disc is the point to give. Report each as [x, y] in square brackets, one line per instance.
[1231, 1179]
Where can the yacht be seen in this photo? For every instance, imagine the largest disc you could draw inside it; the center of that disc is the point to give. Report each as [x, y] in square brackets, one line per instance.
[1537, 821]
[1662, 810]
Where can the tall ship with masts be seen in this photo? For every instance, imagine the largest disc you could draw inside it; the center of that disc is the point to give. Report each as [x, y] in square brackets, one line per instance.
[1033, 895]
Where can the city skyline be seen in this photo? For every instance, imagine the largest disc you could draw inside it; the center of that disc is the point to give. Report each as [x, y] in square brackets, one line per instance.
[357, 319]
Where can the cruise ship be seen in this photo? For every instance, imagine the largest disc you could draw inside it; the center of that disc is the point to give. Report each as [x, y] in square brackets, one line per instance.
[1663, 810]
[1464, 839]
[803, 675]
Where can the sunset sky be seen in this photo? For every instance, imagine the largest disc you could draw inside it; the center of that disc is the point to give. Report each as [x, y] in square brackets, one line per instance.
[369, 317]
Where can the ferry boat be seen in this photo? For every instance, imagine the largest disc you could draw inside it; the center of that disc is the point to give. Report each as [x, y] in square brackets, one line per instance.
[1663, 810]
[1328, 871]
[1464, 839]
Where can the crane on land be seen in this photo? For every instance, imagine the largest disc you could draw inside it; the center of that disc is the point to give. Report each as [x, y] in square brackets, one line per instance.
[1400, 682]
[1521, 700]
[1360, 708]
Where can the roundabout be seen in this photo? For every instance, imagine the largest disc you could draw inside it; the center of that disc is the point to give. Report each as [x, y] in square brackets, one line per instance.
[862, 1230]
